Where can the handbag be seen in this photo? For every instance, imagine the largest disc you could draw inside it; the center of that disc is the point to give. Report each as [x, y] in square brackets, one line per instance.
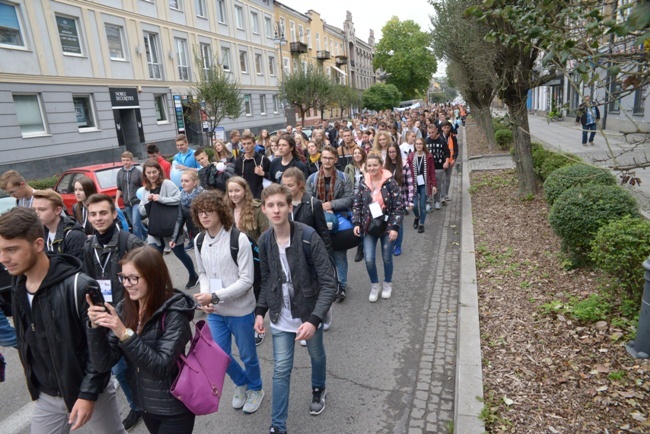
[377, 226]
[162, 219]
[332, 222]
[201, 373]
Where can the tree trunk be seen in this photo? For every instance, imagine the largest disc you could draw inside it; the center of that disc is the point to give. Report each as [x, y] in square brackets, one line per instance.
[521, 137]
[484, 119]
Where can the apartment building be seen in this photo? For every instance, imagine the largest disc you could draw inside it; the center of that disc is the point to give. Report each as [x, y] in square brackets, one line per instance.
[361, 55]
[82, 81]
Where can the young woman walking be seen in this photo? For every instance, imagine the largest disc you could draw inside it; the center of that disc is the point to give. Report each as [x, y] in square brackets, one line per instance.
[288, 156]
[423, 174]
[355, 171]
[191, 189]
[402, 175]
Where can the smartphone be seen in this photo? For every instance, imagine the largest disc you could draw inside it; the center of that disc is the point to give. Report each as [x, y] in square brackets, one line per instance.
[96, 296]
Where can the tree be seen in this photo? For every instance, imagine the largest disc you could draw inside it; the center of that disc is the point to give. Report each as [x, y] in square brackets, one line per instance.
[306, 89]
[345, 97]
[460, 39]
[217, 90]
[381, 96]
[404, 54]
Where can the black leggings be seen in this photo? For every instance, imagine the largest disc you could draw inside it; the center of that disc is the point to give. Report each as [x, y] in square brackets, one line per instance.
[179, 424]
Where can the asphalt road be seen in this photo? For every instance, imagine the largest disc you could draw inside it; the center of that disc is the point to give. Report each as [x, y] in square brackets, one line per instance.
[373, 352]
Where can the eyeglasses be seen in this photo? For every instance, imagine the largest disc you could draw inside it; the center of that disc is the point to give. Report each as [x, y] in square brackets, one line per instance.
[12, 192]
[327, 158]
[205, 212]
[132, 280]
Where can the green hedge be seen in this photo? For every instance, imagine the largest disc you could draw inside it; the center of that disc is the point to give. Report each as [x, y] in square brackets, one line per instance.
[43, 183]
[504, 139]
[579, 212]
[554, 161]
[574, 176]
[619, 249]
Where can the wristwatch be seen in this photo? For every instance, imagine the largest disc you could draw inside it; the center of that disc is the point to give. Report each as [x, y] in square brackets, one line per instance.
[127, 334]
[215, 299]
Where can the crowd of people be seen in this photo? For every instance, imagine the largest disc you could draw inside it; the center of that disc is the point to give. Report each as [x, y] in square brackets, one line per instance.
[270, 220]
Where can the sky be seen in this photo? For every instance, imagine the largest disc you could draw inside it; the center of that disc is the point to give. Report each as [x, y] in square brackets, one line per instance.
[367, 14]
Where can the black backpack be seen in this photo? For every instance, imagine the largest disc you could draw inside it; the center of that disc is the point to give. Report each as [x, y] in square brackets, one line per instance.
[234, 251]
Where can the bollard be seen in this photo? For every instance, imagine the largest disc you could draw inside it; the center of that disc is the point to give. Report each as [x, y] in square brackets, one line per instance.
[640, 348]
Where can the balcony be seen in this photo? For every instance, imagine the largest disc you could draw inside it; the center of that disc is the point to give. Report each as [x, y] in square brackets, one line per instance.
[298, 47]
[323, 55]
[352, 63]
[341, 60]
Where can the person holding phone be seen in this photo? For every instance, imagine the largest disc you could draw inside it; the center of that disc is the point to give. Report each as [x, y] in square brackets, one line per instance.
[150, 328]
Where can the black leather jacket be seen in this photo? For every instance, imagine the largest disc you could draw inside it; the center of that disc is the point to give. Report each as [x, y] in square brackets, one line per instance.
[313, 296]
[310, 212]
[64, 335]
[150, 356]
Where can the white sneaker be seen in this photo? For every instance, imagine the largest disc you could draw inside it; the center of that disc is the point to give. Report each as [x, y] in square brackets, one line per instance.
[386, 290]
[328, 320]
[374, 292]
[437, 205]
[254, 401]
[239, 398]
[303, 343]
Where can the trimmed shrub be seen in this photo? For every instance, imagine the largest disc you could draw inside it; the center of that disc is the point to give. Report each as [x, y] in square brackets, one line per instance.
[554, 161]
[579, 212]
[575, 175]
[209, 152]
[504, 139]
[619, 249]
[539, 156]
[43, 183]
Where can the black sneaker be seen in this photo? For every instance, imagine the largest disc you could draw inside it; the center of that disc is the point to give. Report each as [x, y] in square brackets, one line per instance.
[317, 402]
[359, 256]
[276, 430]
[192, 282]
[420, 229]
[341, 295]
[416, 223]
[259, 338]
[131, 420]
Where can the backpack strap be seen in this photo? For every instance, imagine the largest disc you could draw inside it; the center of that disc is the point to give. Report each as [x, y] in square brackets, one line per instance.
[76, 301]
[199, 241]
[307, 232]
[234, 243]
[122, 240]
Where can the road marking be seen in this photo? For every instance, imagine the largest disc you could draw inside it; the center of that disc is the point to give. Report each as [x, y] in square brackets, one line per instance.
[18, 422]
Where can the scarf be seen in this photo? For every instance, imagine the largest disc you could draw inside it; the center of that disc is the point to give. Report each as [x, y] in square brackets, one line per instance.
[105, 238]
[321, 192]
[187, 198]
[424, 167]
[314, 158]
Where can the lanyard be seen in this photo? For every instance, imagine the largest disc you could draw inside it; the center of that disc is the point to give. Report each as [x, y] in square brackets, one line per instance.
[420, 163]
[29, 205]
[108, 258]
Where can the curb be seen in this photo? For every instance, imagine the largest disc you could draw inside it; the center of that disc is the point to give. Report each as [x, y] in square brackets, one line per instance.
[469, 374]
[476, 157]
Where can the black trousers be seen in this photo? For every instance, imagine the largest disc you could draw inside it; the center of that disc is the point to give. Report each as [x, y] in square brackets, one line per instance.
[179, 424]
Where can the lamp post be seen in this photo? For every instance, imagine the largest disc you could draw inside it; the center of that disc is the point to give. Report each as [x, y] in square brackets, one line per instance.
[280, 40]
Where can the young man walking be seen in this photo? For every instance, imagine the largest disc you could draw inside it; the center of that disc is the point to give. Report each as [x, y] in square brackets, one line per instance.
[15, 185]
[154, 155]
[298, 291]
[101, 260]
[62, 234]
[251, 166]
[227, 295]
[336, 191]
[439, 149]
[50, 314]
[452, 143]
[129, 180]
[183, 161]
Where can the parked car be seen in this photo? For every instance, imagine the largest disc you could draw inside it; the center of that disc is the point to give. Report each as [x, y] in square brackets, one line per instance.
[104, 176]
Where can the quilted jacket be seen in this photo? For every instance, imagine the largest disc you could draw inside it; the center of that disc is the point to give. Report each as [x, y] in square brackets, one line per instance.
[393, 204]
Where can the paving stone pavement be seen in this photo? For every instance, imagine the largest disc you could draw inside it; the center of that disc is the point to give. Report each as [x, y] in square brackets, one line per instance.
[432, 409]
[491, 162]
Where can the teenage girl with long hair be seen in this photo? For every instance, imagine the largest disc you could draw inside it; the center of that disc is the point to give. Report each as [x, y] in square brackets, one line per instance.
[423, 173]
[382, 140]
[246, 210]
[402, 175]
[288, 156]
[84, 187]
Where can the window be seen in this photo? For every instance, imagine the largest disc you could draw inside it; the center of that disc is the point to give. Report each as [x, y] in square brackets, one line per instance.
[243, 63]
[153, 55]
[115, 42]
[272, 66]
[175, 4]
[287, 65]
[258, 64]
[309, 38]
[225, 58]
[268, 27]
[201, 10]
[30, 115]
[84, 111]
[301, 33]
[161, 107]
[304, 67]
[639, 102]
[262, 104]
[68, 35]
[255, 23]
[206, 59]
[10, 29]
[275, 103]
[248, 108]
[221, 11]
[239, 17]
[318, 41]
[295, 65]
[292, 29]
[282, 28]
[181, 57]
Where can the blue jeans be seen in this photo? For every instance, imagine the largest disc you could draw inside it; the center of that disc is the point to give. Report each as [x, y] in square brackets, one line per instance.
[369, 253]
[181, 254]
[341, 261]
[7, 333]
[223, 328]
[133, 213]
[119, 370]
[283, 348]
[447, 181]
[419, 204]
[585, 131]
[400, 236]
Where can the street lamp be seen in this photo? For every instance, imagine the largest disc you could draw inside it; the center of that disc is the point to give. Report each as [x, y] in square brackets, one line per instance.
[280, 40]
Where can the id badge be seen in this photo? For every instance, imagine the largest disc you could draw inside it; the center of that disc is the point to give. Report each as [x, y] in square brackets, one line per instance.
[107, 291]
[375, 210]
[420, 180]
[215, 285]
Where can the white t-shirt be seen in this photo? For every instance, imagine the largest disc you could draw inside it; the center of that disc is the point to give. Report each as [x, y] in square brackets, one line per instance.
[406, 150]
[286, 322]
[50, 240]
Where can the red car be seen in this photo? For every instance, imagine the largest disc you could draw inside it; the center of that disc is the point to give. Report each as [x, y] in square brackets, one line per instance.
[104, 175]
